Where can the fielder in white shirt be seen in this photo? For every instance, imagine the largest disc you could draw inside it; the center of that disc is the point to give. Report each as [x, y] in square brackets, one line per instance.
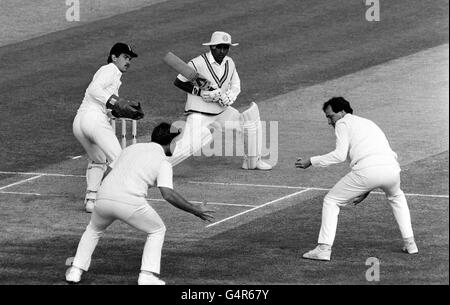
[122, 195]
[91, 125]
[374, 165]
[212, 108]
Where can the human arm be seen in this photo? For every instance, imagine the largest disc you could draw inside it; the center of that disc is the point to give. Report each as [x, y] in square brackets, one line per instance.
[303, 162]
[359, 198]
[103, 79]
[175, 199]
[229, 97]
[340, 153]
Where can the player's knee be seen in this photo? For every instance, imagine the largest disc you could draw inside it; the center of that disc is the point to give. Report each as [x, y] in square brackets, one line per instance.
[94, 230]
[161, 230]
[397, 197]
[330, 202]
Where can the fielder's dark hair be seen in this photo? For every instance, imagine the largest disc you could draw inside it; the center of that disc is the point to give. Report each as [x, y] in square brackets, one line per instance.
[163, 135]
[338, 104]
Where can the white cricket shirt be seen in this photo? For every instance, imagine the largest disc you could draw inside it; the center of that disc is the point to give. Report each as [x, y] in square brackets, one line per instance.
[106, 82]
[138, 167]
[362, 140]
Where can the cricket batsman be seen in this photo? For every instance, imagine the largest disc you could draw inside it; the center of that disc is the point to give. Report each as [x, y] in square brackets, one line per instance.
[209, 103]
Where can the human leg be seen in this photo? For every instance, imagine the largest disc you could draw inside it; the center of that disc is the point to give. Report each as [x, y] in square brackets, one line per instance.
[147, 220]
[194, 136]
[252, 133]
[86, 246]
[348, 187]
[98, 139]
[400, 209]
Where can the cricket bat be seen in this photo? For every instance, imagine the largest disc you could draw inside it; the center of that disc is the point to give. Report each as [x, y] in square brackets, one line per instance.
[187, 71]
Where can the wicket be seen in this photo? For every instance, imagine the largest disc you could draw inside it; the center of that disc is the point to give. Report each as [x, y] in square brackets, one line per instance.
[123, 140]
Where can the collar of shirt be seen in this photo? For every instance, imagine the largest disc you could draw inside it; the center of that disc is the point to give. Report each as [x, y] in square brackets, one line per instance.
[116, 70]
[213, 61]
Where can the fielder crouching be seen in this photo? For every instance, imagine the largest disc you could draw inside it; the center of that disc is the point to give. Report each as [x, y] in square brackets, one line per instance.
[212, 107]
[122, 195]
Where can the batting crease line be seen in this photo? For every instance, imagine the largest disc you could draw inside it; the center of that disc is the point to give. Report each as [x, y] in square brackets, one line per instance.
[42, 174]
[303, 187]
[148, 199]
[223, 183]
[257, 207]
[20, 182]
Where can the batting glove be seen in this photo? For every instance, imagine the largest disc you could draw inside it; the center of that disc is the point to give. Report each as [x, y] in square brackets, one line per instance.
[210, 96]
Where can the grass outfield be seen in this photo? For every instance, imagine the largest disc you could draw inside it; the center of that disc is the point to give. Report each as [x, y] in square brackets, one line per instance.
[292, 55]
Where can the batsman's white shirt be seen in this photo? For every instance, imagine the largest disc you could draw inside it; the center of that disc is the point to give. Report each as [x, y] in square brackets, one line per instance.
[362, 140]
[138, 167]
[106, 82]
[223, 75]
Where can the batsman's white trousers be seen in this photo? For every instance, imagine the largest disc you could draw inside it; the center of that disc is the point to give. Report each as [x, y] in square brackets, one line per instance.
[358, 182]
[138, 214]
[196, 132]
[93, 130]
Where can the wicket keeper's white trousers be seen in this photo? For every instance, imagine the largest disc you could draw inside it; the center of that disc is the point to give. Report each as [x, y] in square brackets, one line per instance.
[355, 183]
[140, 216]
[93, 130]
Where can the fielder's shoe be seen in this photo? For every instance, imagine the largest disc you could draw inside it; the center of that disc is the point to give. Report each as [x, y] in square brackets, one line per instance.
[260, 164]
[410, 247]
[89, 205]
[319, 253]
[149, 279]
[73, 275]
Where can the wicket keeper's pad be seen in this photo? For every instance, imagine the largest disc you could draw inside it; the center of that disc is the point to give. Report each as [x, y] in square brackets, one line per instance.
[252, 129]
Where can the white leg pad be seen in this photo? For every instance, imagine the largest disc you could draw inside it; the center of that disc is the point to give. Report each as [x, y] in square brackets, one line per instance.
[94, 175]
[252, 131]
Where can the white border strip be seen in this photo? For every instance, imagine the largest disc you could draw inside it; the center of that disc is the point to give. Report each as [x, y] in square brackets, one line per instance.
[257, 207]
[42, 174]
[20, 182]
[303, 187]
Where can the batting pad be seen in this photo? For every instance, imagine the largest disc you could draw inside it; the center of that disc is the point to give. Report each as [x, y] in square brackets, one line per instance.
[94, 176]
[190, 144]
[252, 130]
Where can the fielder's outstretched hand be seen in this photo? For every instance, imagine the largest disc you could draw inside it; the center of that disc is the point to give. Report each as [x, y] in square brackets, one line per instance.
[360, 198]
[204, 212]
[303, 162]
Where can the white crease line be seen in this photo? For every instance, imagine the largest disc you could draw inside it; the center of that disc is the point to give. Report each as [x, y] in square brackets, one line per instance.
[303, 187]
[20, 182]
[42, 174]
[257, 207]
[20, 193]
[212, 203]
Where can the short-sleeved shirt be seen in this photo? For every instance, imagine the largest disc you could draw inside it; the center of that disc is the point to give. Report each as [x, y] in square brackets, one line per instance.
[138, 167]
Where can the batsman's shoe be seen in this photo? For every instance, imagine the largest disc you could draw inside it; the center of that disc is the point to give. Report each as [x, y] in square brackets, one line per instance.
[260, 164]
[318, 253]
[89, 205]
[149, 279]
[410, 247]
[73, 275]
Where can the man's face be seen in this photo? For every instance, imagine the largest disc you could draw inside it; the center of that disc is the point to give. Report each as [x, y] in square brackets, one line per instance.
[219, 52]
[332, 116]
[122, 62]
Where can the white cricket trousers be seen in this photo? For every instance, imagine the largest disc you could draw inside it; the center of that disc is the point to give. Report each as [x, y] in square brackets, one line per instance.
[196, 133]
[358, 182]
[139, 215]
[93, 130]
